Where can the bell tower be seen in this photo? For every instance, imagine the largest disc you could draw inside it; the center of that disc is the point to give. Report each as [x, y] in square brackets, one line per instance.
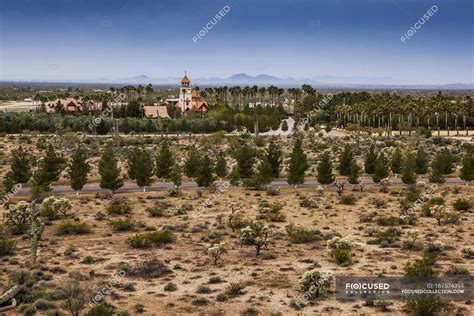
[185, 94]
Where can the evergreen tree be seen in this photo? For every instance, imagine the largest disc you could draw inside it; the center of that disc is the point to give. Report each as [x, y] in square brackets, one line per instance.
[175, 175]
[264, 174]
[8, 182]
[20, 165]
[370, 159]
[408, 168]
[345, 161]
[205, 172]
[140, 167]
[109, 171]
[103, 127]
[448, 161]
[396, 163]
[245, 156]
[421, 161]
[51, 165]
[437, 170]
[78, 169]
[275, 157]
[221, 166]
[164, 161]
[324, 169]
[284, 126]
[380, 168]
[192, 164]
[467, 168]
[298, 164]
[353, 177]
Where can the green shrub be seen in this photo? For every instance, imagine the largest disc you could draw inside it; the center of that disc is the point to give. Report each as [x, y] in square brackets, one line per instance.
[154, 211]
[268, 256]
[7, 246]
[118, 207]
[348, 199]
[100, 310]
[238, 221]
[122, 225]
[151, 239]
[427, 305]
[170, 287]
[341, 256]
[389, 220]
[301, 235]
[72, 228]
[425, 208]
[462, 205]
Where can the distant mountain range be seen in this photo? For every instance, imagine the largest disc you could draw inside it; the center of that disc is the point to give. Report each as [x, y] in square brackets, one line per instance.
[243, 79]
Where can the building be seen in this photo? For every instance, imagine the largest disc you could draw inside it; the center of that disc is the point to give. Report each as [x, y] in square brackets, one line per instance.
[189, 99]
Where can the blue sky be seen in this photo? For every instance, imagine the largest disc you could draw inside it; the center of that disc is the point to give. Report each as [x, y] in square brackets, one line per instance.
[91, 39]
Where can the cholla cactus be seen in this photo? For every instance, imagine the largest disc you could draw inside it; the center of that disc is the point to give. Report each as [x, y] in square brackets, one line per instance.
[438, 212]
[53, 205]
[384, 185]
[17, 215]
[436, 246]
[255, 234]
[314, 282]
[340, 243]
[216, 251]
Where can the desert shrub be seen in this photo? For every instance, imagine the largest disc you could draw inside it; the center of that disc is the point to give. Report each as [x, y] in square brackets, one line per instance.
[271, 212]
[348, 199]
[425, 208]
[378, 203]
[268, 256]
[341, 256]
[155, 211]
[234, 289]
[420, 267]
[272, 191]
[307, 202]
[17, 217]
[72, 228]
[7, 246]
[75, 296]
[255, 234]
[468, 252]
[426, 305]
[122, 225]
[367, 217]
[301, 235]
[238, 221]
[389, 221]
[337, 242]
[462, 205]
[452, 218]
[170, 287]
[203, 289]
[410, 243]
[314, 283]
[100, 310]
[340, 249]
[151, 239]
[215, 279]
[153, 268]
[119, 207]
[455, 270]
[386, 237]
[216, 251]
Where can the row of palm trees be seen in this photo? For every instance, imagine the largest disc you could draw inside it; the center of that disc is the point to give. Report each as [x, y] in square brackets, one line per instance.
[408, 113]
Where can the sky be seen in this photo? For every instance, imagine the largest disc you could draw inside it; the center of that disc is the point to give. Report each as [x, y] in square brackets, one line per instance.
[87, 40]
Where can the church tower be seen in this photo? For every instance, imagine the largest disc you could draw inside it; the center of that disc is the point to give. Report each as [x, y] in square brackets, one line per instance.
[185, 94]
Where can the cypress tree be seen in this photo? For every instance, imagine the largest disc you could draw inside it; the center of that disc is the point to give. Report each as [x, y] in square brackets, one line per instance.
[396, 163]
[353, 177]
[298, 164]
[245, 156]
[109, 171]
[140, 167]
[51, 165]
[175, 175]
[370, 159]
[192, 163]
[275, 157]
[264, 174]
[205, 172]
[345, 161]
[78, 169]
[408, 169]
[20, 165]
[164, 161]
[221, 166]
[437, 170]
[421, 162]
[448, 161]
[324, 169]
[467, 168]
[380, 168]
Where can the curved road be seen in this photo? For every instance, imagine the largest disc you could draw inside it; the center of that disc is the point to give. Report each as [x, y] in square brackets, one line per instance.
[159, 186]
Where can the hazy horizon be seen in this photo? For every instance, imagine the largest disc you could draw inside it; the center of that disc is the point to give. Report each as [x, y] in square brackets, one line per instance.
[88, 41]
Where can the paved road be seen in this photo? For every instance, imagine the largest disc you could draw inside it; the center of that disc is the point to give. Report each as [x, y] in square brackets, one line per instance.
[160, 186]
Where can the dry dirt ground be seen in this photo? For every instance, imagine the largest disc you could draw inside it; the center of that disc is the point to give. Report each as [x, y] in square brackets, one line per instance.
[270, 284]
